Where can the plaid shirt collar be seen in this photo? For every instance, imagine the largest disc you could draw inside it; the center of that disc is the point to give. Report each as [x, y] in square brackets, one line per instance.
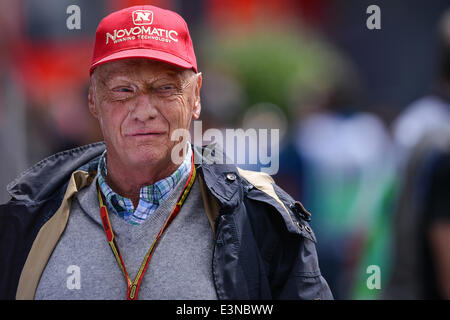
[150, 196]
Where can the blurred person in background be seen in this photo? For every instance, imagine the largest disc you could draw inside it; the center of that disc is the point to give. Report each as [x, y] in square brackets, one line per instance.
[346, 175]
[421, 267]
[431, 112]
[73, 210]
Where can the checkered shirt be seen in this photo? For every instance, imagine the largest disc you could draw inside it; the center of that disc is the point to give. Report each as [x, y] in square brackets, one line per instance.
[150, 196]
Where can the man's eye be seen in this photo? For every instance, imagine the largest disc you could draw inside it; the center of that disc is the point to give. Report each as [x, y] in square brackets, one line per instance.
[166, 89]
[123, 89]
[122, 92]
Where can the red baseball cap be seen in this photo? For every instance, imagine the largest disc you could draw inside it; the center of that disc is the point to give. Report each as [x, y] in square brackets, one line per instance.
[144, 32]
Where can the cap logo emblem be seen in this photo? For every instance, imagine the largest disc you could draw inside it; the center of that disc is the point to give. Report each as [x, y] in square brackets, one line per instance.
[142, 17]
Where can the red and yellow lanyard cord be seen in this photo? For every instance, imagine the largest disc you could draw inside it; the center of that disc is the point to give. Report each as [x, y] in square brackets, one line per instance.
[133, 287]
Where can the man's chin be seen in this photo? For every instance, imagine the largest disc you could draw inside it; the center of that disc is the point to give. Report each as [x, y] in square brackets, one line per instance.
[145, 155]
[150, 158]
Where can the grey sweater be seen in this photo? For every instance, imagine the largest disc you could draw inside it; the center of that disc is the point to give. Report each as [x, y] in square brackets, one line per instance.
[82, 266]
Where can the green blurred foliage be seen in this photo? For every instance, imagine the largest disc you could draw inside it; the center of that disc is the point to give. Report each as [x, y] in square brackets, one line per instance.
[282, 67]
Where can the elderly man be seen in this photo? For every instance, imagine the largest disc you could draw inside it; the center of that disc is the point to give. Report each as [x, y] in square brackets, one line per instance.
[123, 220]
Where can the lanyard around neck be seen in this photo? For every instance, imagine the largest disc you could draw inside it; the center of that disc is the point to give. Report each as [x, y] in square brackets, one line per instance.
[133, 287]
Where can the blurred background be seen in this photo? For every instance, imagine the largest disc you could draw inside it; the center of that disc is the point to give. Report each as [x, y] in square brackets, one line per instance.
[362, 115]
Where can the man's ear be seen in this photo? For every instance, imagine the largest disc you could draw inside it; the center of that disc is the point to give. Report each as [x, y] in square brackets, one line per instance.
[197, 105]
[91, 101]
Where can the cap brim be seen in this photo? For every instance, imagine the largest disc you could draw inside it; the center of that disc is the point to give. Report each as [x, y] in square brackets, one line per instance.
[146, 54]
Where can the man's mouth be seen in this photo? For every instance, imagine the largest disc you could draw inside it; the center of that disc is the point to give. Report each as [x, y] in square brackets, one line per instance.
[144, 133]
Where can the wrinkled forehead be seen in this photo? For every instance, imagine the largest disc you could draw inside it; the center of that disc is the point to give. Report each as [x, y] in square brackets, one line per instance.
[138, 69]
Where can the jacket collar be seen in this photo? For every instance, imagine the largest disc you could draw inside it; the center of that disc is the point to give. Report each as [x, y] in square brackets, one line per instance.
[222, 180]
[39, 182]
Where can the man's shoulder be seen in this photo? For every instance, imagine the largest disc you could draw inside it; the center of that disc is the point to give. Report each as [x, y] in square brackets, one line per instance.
[232, 185]
[257, 178]
[293, 213]
[42, 179]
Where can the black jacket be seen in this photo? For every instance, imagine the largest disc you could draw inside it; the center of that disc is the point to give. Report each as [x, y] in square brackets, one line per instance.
[264, 247]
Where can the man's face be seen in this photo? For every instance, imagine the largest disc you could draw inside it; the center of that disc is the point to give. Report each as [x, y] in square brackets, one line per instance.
[139, 103]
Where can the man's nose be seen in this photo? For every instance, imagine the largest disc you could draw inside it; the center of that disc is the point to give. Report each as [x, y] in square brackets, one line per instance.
[144, 108]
